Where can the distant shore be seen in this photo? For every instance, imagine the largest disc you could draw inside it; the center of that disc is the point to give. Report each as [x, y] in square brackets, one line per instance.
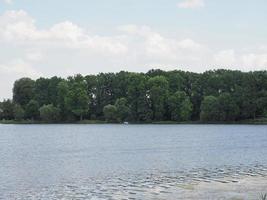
[261, 121]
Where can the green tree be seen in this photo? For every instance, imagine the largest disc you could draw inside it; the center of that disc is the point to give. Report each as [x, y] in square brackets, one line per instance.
[175, 80]
[158, 93]
[186, 110]
[180, 106]
[7, 110]
[41, 94]
[104, 91]
[137, 98]
[23, 91]
[122, 109]
[210, 109]
[19, 112]
[110, 113]
[91, 81]
[77, 100]
[62, 92]
[215, 95]
[52, 90]
[46, 91]
[32, 110]
[49, 113]
[227, 107]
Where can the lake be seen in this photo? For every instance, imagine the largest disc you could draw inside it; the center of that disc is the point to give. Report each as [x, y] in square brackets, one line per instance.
[123, 161]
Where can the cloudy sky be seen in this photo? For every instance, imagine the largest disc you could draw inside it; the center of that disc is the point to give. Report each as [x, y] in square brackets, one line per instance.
[59, 37]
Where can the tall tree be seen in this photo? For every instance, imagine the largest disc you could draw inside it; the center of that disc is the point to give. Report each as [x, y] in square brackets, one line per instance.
[158, 93]
[110, 113]
[210, 109]
[41, 91]
[104, 91]
[215, 95]
[62, 91]
[122, 109]
[32, 110]
[7, 110]
[23, 91]
[19, 112]
[227, 107]
[77, 100]
[180, 106]
[137, 98]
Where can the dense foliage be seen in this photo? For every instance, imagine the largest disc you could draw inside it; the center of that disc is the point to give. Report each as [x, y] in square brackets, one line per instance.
[213, 96]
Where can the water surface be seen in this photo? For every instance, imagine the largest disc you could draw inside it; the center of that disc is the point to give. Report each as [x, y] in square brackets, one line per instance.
[46, 160]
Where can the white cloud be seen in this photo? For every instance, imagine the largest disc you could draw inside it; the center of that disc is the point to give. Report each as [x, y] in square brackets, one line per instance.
[8, 1]
[20, 67]
[12, 70]
[191, 4]
[245, 61]
[34, 55]
[19, 27]
[189, 44]
[254, 61]
[225, 58]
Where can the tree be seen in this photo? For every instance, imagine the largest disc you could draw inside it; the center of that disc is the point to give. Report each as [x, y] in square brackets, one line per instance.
[186, 110]
[32, 110]
[52, 90]
[158, 92]
[91, 81]
[122, 109]
[210, 109]
[175, 80]
[215, 95]
[227, 107]
[110, 113]
[77, 100]
[19, 112]
[104, 91]
[7, 110]
[137, 98]
[41, 94]
[180, 106]
[23, 91]
[49, 113]
[62, 91]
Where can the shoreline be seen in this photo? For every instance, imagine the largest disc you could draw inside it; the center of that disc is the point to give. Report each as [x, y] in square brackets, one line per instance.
[245, 122]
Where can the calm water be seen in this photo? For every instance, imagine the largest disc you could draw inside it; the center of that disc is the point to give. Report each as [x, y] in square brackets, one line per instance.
[40, 159]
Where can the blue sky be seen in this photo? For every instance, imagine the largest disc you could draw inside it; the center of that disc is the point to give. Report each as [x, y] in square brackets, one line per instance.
[59, 37]
[227, 16]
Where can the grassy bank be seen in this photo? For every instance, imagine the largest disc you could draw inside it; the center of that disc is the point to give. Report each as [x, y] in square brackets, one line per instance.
[43, 122]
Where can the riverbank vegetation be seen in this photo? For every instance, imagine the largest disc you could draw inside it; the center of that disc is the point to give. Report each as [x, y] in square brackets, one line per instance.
[222, 96]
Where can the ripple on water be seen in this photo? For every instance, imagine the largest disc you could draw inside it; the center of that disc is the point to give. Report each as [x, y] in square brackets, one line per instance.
[160, 185]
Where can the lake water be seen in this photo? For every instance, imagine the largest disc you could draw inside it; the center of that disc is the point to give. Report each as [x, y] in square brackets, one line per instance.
[120, 161]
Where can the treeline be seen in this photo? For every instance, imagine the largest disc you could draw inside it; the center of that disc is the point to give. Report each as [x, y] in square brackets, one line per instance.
[213, 96]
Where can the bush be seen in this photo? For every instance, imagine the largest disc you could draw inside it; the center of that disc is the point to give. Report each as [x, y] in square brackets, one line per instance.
[19, 112]
[49, 113]
[7, 110]
[210, 109]
[110, 113]
[122, 109]
[32, 110]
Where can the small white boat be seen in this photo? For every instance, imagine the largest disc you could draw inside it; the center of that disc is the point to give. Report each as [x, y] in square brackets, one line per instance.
[126, 123]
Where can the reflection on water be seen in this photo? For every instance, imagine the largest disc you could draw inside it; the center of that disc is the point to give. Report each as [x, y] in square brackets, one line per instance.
[125, 162]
